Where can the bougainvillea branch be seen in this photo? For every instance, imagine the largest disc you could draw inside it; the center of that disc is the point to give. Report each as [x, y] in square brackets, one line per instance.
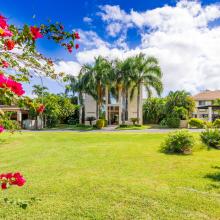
[18, 53]
[10, 179]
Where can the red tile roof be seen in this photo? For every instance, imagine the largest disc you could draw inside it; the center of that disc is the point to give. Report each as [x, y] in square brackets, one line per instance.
[207, 95]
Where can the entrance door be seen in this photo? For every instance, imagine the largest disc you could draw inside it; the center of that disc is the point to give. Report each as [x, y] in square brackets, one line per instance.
[113, 115]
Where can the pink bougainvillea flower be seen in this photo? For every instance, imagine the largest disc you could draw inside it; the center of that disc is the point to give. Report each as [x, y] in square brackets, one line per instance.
[9, 44]
[35, 32]
[76, 35]
[1, 129]
[77, 46]
[3, 23]
[12, 85]
[5, 64]
[5, 33]
[9, 179]
[70, 48]
[18, 179]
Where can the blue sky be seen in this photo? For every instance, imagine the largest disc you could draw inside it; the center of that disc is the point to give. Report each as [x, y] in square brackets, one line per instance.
[115, 36]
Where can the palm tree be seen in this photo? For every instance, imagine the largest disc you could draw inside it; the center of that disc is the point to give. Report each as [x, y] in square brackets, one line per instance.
[146, 72]
[122, 82]
[39, 91]
[94, 79]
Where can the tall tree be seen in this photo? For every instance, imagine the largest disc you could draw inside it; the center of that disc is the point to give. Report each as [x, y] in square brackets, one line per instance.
[146, 72]
[122, 82]
[39, 90]
[94, 79]
[179, 99]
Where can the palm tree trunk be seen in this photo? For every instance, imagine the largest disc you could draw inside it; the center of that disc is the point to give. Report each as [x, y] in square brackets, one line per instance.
[123, 106]
[138, 103]
[97, 110]
[36, 122]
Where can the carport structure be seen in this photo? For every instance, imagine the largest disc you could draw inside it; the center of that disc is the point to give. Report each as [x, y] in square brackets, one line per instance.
[211, 111]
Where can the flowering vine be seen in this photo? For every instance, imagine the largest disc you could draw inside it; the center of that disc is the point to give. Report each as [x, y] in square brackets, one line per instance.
[10, 179]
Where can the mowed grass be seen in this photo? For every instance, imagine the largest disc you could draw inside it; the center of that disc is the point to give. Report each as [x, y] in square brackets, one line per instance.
[109, 176]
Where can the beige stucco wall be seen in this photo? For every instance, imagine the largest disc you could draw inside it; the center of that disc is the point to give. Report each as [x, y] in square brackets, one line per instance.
[132, 107]
[90, 107]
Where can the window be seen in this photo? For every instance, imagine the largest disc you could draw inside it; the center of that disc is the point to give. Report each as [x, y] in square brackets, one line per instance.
[112, 97]
[201, 103]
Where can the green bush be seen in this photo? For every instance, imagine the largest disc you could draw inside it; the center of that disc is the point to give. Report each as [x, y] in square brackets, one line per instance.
[216, 123]
[181, 112]
[10, 124]
[134, 120]
[173, 122]
[7, 123]
[178, 142]
[196, 123]
[211, 138]
[100, 123]
[208, 124]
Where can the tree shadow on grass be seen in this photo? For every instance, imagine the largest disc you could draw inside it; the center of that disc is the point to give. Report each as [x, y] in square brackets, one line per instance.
[214, 176]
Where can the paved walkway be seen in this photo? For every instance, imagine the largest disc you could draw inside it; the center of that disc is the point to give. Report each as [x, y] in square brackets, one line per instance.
[113, 130]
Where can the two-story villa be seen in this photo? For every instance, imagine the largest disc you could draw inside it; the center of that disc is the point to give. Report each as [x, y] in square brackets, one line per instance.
[204, 105]
[113, 107]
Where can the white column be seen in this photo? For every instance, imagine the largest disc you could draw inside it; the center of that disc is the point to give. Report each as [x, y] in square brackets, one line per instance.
[120, 107]
[210, 113]
[19, 116]
[106, 103]
[141, 105]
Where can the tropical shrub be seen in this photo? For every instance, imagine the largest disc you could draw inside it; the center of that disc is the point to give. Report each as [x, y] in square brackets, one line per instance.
[153, 110]
[9, 124]
[100, 123]
[216, 123]
[196, 123]
[134, 120]
[172, 122]
[179, 99]
[181, 112]
[90, 119]
[178, 142]
[208, 124]
[211, 138]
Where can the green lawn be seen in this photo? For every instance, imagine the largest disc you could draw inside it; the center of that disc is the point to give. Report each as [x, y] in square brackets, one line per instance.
[79, 127]
[109, 176]
[135, 127]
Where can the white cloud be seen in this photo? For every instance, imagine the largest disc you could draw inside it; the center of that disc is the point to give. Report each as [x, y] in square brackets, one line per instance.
[90, 39]
[68, 67]
[87, 19]
[179, 36]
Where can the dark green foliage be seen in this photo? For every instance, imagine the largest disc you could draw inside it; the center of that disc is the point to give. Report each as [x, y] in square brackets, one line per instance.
[178, 142]
[211, 138]
[196, 123]
[179, 99]
[20, 202]
[216, 123]
[73, 119]
[181, 112]
[172, 122]
[153, 110]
